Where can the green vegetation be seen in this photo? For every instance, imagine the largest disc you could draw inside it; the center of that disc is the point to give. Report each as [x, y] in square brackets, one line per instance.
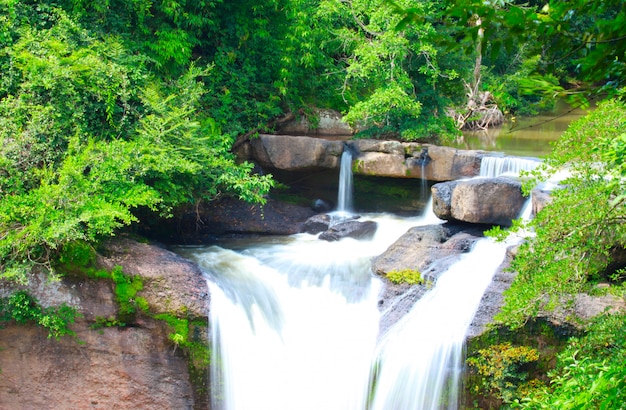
[501, 368]
[578, 242]
[410, 276]
[22, 308]
[580, 236]
[590, 371]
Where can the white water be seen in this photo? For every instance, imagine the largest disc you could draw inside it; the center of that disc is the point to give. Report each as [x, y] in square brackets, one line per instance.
[344, 197]
[494, 166]
[419, 360]
[294, 322]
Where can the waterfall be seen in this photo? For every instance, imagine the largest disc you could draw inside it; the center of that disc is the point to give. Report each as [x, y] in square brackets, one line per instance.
[294, 321]
[420, 359]
[344, 199]
[494, 166]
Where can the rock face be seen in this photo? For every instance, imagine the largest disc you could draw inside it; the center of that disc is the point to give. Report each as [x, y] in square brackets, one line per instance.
[131, 367]
[483, 200]
[291, 153]
[329, 124]
[428, 249]
[412, 160]
[371, 157]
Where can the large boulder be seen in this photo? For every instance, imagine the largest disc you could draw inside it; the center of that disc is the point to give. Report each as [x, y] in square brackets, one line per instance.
[171, 284]
[413, 160]
[381, 164]
[448, 164]
[291, 153]
[131, 367]
[494, 201]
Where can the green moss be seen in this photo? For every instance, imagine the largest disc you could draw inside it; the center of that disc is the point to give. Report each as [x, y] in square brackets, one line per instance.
[410, 276]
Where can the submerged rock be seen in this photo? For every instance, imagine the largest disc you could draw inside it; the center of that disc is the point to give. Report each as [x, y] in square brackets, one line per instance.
[350, 229]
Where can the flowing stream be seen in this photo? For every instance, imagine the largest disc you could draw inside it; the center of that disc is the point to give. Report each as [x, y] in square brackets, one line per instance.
[295, 323]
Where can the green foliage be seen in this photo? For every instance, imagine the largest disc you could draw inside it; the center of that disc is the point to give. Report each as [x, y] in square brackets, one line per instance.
[577, 236]
[88, 137]
[23, 308]
[410, 276]
[502, 368]
[590, 372]
[396, 82]
[184, 336]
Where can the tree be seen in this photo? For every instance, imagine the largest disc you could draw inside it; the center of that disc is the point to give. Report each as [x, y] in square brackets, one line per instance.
[396, 81]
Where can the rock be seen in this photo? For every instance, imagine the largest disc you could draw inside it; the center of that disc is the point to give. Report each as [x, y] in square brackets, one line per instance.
[380, 164]
[230, 216]
[540, 198]
[429, 249]
[316, 224]
[384, 158]
[171, 284]
[329, 124]
[481, 200]
[350, 229]
[448, 164]
[111, 368]
[291, 153]
[421, 246]
[381, 146]
[321, 205]
[130, 367]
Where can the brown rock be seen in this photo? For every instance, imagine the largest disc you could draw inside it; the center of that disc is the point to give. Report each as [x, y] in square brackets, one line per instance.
[495, 201]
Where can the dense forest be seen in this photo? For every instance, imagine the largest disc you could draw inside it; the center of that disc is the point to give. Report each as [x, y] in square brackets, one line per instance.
[112, 111]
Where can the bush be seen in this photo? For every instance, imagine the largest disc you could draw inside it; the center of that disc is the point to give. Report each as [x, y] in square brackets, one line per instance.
[23, 308]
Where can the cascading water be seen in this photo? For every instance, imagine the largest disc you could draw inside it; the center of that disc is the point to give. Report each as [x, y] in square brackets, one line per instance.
[344, 198]
[295, 320]
[494, 166]
[419, 360]
[295, 323]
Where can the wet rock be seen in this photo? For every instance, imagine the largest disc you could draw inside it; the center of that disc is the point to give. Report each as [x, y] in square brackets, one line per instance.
[429, 249]
[321, 205]
[350, 229]
[540, 198]
[316, 224]
[230, 216]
